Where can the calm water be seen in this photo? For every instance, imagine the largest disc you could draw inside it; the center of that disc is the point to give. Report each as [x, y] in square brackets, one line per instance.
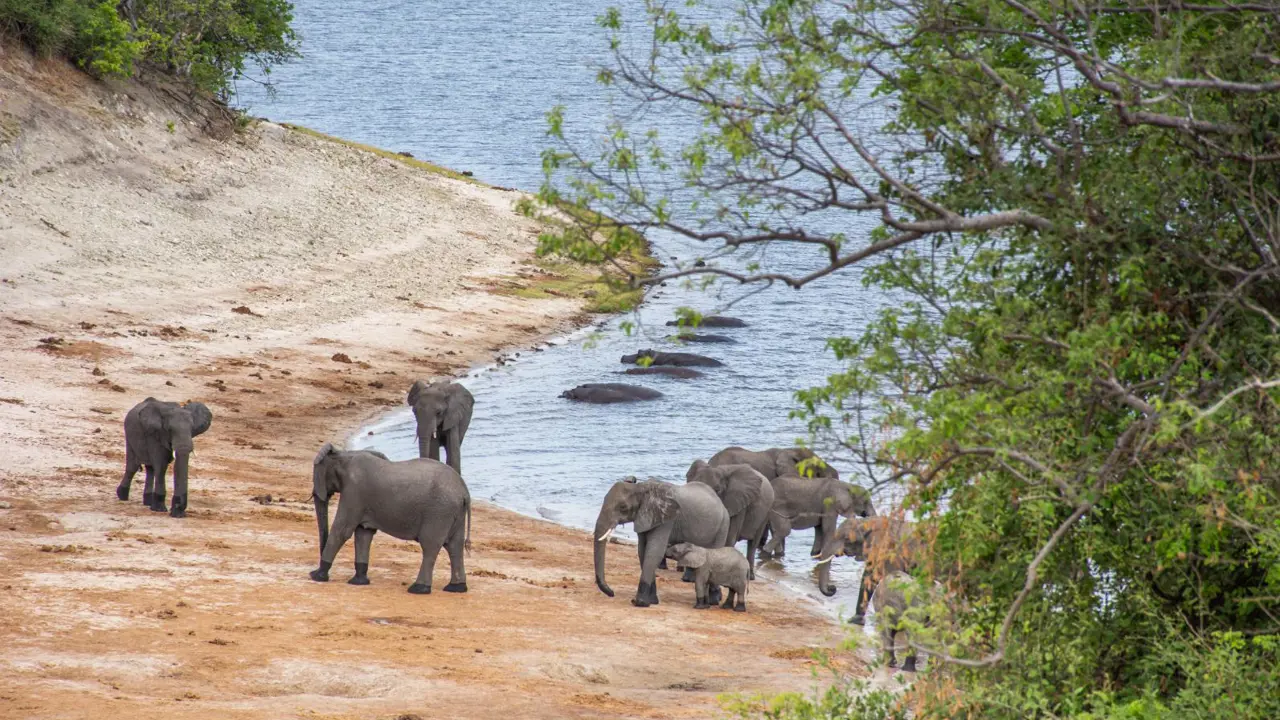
[466, 85]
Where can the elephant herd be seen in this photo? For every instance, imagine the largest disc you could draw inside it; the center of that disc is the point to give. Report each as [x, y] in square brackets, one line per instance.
[736, 495]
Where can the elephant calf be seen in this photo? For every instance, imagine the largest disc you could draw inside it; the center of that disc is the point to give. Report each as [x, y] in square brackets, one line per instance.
[715, 566]
[892, 600]
[157, 433]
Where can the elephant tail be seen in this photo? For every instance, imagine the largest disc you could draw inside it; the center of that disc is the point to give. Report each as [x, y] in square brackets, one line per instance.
[466, 543]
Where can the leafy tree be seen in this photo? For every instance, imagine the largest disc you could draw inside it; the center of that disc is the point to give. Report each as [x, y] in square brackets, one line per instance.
[1079, 202]
[208, 42]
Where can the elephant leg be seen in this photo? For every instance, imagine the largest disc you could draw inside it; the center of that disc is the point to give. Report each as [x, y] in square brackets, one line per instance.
[453, 446]
[655, 548]
[343, 527]
[364, 539]
[702, 577]
[688, 575]
[457, 570]
[130, 469]
[741, 605]
[819, 537]
[713, 594]
[157, 499]
[753, 545]
[179, 507]
[728, 599]
[430, 550]
[149, 486]
[764, 538]
[859, 605]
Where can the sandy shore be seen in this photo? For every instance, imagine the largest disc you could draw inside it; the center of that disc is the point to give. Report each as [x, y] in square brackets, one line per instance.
[297, 286]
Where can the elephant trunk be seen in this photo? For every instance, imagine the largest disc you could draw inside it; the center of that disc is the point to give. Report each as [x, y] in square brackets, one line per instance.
[181, 462]
[322, 522]
[605, 525]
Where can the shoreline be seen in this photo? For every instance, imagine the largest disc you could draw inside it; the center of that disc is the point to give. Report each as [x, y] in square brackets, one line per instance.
[297, 287]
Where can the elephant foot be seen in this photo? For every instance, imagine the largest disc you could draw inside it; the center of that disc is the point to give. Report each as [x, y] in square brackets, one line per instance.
[179, 507]
[751, 574]
[456, 587]
[148, 499]
[662, 564]
[646, 594]
[687, 576]
[157, 504]
[701, 605]
[713, 595]
[640, 602]
[122, 492]
[858, 620]
[909, 665]
[420, 589]
[828, 590]
[321, 574]
[740, 607]
[362, 575]
[727, 604]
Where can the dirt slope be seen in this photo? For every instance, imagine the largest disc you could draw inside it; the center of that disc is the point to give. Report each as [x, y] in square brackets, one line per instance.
[297, 286]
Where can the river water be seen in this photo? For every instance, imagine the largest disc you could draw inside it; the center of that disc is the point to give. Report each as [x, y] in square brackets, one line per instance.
[467, 84]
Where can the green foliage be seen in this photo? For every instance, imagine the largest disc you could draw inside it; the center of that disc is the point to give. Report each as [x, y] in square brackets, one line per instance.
[209, 42]
[1079, 386]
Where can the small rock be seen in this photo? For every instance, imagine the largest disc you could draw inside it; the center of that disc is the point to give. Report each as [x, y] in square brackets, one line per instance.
[341, 357]
[5, 505]
[97, 372]
[169, 383]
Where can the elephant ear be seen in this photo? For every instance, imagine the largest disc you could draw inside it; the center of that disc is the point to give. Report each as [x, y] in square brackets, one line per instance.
[740, 492]
[695, 558]
[415, 390]
[658, 505]
[325, 451]
[457, 412]
[201, 417]
[152, 419]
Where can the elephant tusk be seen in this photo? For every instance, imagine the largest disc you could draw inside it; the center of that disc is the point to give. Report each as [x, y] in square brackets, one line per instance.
[824, 562]
[607, 535]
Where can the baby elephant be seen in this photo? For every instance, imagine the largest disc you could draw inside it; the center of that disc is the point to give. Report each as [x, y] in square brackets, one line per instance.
[891, 603]
[714, 566]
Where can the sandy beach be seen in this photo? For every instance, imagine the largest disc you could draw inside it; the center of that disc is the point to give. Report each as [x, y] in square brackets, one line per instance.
[297, 286]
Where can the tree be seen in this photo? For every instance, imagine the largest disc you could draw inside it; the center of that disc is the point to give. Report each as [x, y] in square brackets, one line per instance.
[1080, 200]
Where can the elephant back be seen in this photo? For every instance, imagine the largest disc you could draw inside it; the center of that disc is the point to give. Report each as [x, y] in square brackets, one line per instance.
[702, 520]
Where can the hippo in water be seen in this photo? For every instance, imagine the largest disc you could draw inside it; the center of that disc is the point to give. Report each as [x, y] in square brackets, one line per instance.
[704, 338]
[604, 393]
[668, 370]
[678, 359]
[714, 321]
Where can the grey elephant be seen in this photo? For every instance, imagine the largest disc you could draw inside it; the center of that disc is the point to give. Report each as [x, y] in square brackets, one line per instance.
[157, 433]
[443, 411]
[898, 596]
[678, 359]
[776, 462]
[422, 500]
[715, 566]
[663, 514]
[886, 544]
[817, 503]
[747, 496]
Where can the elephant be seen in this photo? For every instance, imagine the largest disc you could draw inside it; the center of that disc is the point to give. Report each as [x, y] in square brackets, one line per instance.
[678, 359]
[155, 434]
[776, 462]
[668, 370]
[746, 495]
[886, 544]
[715, 566]
[891, 603]
[604, 393]
[421, 499]
[817, 503]
[663, 514]
[719, 321]
[442, 409]
[703, 338]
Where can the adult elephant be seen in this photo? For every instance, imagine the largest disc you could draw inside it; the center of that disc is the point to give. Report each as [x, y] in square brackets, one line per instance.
[776, 462]
[422, 500]
[886, 544]
[664, 514]
[443, 411]
[157, 433]
[747, 497]
[816, 503]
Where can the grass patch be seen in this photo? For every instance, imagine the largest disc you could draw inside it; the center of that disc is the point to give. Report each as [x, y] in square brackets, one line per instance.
[402, 159]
